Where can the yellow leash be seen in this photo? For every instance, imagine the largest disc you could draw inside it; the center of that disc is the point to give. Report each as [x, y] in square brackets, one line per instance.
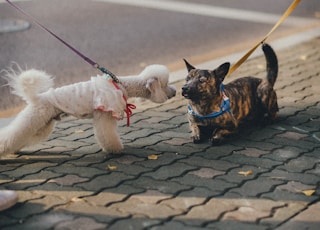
[245, 57]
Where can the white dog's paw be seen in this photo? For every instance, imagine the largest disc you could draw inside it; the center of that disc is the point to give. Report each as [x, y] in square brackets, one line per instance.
[113, 149]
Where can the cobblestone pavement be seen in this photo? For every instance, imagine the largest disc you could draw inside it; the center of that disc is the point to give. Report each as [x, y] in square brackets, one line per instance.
[68, 183]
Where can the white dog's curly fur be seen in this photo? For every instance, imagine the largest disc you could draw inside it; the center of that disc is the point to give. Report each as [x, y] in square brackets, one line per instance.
[98, 99]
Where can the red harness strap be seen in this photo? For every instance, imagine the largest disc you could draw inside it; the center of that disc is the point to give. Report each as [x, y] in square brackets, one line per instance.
[129, 106]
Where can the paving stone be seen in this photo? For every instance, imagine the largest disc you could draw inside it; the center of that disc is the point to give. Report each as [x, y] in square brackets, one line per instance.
[151, 197]
[25, 195]
[236, 225]
[86, 156]
[233, 176]
[167, 187]
[315, 170]
[254, 188]
[134, 205]
[139, 152]
[8, 165]
[246, 214]
[266, 145]
[4, 179]
[304, 220]
[252, 210]
[257, 162]
[32, 180]
[217, 186]
[293, 135]
[251, 152]
[285, 176]
[102, 214]
[112, 195]
[149, 141]
[177, 141]
[262, 134]
[300, 164]
[184, 203]
[173, 133]
[280, 194]
[43, 221]
[216, 152]
[154, 126]
[170, 171]
[296, 187]
[219, 165]
[36, 206]
[127, 159]
[176, 120]
[68, 180]
[284, 154]
[104, 181]
[81, 171]
[78, 135]
[133, 223]
[7, 222]
[80, 223]
[133, 170]
[206, 173]
[282, 214]
[29, 169]
[195, 192]
[209, 211]
[181, 150]
[174, 225]
[135, 134]
[47, 152]
[162, 160]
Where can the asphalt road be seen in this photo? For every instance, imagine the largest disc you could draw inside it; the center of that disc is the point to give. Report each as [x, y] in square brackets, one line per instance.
[125, 36]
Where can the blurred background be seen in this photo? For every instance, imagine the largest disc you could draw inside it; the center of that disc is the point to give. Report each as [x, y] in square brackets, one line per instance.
[125, 36]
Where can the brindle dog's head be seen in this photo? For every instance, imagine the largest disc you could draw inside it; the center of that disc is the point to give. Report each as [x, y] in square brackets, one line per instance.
[203, 85]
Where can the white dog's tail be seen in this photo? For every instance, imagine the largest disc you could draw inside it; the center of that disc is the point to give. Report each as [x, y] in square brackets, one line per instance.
[28, 84]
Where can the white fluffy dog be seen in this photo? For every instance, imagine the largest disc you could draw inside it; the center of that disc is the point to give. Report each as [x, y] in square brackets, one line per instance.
[99, 99]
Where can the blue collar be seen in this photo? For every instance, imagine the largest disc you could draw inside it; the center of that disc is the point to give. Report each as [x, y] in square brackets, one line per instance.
[224, 107]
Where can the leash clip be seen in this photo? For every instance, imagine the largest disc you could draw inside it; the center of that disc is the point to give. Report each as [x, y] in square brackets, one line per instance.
[107, 72]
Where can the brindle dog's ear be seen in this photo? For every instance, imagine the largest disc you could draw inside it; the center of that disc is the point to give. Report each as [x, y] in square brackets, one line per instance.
[222, 71]
[188, 65]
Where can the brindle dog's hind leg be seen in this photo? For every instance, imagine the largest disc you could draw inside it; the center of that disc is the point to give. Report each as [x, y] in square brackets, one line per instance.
[268, 98]
[218, 135]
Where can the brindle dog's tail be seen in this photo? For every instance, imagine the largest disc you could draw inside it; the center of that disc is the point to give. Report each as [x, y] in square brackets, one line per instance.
[272, 63]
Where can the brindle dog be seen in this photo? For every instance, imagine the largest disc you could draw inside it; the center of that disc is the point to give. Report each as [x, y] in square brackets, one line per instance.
[223, 108]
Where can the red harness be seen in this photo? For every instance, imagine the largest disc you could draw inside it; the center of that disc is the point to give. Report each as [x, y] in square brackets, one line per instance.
[129, 106]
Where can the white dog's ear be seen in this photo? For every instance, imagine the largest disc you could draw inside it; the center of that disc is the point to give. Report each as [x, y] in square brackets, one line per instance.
[157, 93]
[153, 84]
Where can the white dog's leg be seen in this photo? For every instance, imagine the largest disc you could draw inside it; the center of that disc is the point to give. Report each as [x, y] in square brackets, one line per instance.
[106, 132]
[30, 126]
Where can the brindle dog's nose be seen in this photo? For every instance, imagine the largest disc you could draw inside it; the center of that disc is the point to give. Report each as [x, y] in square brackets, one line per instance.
[185, 90]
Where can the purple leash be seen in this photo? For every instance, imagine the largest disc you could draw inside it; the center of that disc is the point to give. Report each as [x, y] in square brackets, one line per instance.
[90, 61]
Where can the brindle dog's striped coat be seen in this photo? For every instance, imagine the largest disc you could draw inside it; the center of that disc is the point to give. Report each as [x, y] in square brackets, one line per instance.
[250, 98]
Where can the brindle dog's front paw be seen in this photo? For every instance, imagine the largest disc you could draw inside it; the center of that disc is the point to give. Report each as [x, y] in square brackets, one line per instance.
[196, 139]
[215, 141]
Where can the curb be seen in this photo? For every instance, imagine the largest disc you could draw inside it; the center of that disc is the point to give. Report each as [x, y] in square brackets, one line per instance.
[13, 25]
